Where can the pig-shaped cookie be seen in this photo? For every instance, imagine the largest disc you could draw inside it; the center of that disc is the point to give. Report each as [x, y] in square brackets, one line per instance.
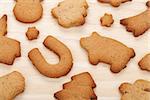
[107, 50]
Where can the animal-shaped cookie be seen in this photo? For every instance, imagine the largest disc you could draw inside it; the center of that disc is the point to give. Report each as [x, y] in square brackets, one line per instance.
[52, 70]
[140, 90]
[115, 3]
[28, 11]
[138, 24]
[3, 25]
[145, 63]
[70, 13]
[9, 50]
[79, 88]
[11, 85]
[107, 50]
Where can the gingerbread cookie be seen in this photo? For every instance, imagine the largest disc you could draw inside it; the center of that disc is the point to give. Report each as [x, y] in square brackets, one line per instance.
[107, 50]
[80, 88]
[11, 85]
[28, 11]
[83, 79]
[140, 90]
[70, 13]
[56, 70]
[145, 63]
[138, 24]
[107, 20]
[115, 3]
[76, 93]
[9, 50]
[32, 33]
[3, 25]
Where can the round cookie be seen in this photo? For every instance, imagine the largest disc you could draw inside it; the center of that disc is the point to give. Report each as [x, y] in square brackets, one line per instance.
[28, 11]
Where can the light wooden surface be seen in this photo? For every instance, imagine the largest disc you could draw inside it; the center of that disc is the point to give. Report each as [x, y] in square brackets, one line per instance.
[39, 87]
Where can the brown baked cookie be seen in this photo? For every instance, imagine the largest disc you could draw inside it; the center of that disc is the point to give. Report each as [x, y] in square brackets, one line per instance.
[79, 88]
[83, 79]
[140, 90]
[11, 85]
[3, 25]
[145, 63]
[115, 3]
[148, 4]
[28, 11]
[52, 70]
[70, 13]
[9, 50]
[32, 33]
[138, 24]
[75, 93]
[107, 20]
[107, 50]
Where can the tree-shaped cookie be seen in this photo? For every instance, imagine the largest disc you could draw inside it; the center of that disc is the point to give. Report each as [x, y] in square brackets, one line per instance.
[11, 85]
[140, 90]
[138, 24]
[70, 13]
[107, 50]
[28, 11]
[79, 88]
[115, 3]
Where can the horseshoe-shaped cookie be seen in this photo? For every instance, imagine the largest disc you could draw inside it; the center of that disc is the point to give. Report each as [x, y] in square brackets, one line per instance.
[28, 11]
[53, 71]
